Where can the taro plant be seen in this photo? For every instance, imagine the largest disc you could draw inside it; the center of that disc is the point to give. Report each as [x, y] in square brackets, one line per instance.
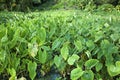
[77, 47]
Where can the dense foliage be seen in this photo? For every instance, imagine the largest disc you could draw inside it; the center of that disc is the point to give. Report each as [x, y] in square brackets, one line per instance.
[25, 5]
[76, 45]
[19, 5]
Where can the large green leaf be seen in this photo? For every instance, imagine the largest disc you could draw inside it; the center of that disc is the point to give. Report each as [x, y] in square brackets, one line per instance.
[107, 50]
[88, 75]
[57, 60]
[15, 61]
[98, 66]
[2, 32]
[64, 51]
[72, 59]
[32, 66]
[114, 70]
[2, 55]
[60, 63]
[76, 73]
[98, 35]
[42, 55]
[91, 63]
[15, 38]
[78, 45]
[90, 44]
[115, 36]
[42, 35]
[56, 43]
[4, 39]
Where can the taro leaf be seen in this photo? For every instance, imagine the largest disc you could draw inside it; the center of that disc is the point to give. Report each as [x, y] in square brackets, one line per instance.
[42, 55]
[104, 44]
[32, 49]
[99, 54]
[12, 72]
[57, 61]
[2, 55]
[47, 48]
[98, 35]
[72, 59]
[32, 66]
[15, 61]
[98, 67]
[114, 70]
[4, 39]
[78, 45]
[42, 35]
[64, 51]
[108, 48]
[106, 25]
[60, 63]
[90, 44]
[91, 63]
[76, 73]
[15, 38]
[115, 36]
[56, 43]
[2, 32]
[88, 75]
[52, 31]
[88, 54]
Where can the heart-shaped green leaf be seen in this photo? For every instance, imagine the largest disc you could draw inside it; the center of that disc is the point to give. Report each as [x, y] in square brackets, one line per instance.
[114, 70]
[42, 35]
[57, 60]
[2, 55]
[32, 66]
[88, 75]
[72, 59]
[76, 73]
[99, 66]
[78, 45]
[91, 63]
[64, 51]
[56, 43]
[90, 44]
[42, 56]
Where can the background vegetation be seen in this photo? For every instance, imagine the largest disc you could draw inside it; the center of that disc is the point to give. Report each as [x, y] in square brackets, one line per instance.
[23, 5]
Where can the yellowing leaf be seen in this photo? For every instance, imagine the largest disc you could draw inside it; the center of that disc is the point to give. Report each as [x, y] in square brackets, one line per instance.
[12, 72]
[33, 49]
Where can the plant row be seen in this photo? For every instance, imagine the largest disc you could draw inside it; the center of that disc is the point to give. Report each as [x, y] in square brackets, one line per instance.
[78, 47]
